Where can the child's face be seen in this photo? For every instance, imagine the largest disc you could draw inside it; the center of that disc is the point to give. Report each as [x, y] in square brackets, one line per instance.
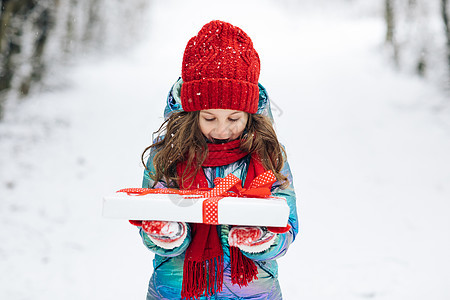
[222, 125]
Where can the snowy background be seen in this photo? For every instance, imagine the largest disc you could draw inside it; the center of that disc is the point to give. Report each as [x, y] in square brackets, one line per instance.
[368, 146]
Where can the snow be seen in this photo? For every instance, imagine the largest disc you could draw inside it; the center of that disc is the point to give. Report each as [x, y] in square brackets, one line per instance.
[368, 147]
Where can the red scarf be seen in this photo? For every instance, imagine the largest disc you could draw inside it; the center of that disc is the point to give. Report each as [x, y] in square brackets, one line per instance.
[203, 262]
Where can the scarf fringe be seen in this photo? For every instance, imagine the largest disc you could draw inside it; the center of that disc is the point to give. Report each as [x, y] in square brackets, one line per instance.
[243, 269]
[202, 277]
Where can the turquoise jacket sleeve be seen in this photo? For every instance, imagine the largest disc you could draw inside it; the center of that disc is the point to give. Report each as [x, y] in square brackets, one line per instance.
[148, 182]
[284, 240]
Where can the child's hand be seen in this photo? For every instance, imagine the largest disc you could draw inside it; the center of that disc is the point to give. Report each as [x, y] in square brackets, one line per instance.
[165, 234]
[251, 239]
[164, 230]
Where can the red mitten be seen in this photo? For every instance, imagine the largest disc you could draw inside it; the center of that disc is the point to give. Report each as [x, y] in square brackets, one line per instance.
[135, 222]
[165, 234]
[279, 229]
[251, 239]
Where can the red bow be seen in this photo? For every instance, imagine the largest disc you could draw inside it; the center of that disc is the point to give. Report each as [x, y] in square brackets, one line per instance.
[230, 186]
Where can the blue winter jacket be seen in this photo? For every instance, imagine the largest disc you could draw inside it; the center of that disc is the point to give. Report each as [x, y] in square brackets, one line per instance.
[166, 280]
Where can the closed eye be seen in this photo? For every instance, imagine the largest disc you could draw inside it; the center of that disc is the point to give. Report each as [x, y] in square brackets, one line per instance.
[233, 120]
[209, 119]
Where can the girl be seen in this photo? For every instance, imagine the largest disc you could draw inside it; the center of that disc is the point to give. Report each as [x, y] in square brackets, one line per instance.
[218, 121]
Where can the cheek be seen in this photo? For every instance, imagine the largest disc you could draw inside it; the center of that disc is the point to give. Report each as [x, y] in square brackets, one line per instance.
[204, 127]
[238, 129]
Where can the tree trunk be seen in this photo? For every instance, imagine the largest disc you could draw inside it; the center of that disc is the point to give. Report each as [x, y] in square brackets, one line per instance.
[389, 18]
[446, 21]
[390, 38]
[13, 12]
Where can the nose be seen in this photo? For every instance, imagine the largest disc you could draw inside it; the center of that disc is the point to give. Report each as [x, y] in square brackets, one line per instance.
[222, 131]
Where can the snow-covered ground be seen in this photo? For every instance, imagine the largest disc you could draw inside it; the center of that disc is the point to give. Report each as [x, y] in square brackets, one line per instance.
[368, 147]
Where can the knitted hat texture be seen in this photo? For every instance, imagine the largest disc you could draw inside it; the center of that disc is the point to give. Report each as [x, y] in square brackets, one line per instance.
[220, 70]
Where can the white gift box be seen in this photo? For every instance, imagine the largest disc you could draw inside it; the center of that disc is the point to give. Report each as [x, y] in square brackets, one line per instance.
[270, 211]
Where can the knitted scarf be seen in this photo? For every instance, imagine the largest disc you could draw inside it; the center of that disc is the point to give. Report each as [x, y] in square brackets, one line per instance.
[203, 263]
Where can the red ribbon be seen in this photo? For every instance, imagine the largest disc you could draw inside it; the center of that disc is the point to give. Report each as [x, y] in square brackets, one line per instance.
[230, 186]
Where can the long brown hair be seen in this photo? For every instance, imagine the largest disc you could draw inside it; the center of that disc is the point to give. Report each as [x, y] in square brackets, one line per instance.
[179, 138]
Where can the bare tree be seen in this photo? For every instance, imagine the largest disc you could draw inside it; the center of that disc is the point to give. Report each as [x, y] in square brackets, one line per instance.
[13, 15]
[38, 35]
[445, 18]
[390, 38]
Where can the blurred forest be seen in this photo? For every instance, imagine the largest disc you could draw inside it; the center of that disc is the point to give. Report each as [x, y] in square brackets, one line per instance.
[37, 36]
[418, 37]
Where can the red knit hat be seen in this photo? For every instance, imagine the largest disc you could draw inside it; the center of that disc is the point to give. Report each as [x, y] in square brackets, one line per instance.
[220, 70]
